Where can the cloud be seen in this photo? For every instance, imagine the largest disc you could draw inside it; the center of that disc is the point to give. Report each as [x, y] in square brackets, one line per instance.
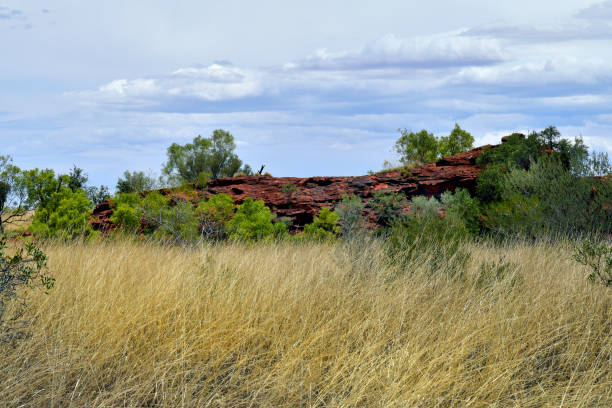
[598, 11]
[445, 50]
[212, 83]
[11, 14]
[529, 33]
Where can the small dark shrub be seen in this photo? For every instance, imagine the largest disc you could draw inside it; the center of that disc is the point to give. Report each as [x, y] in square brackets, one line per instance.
[388, 207]
[349, 212]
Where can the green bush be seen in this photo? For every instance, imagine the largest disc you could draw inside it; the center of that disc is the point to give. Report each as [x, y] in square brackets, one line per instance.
[349, 212]
[170, 218]
[127, 211]
[214, 214]
[490, 184]
[324, 227]
[253, 221]
[462, 205]
[388, 206]
[568, 203]
[66, 214]
[516, 215]
[23, 270]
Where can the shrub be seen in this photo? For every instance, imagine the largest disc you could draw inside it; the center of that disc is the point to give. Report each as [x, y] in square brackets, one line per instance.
[253, 221]
[463, 206]
[214, 214]
[490, 184]
[568, 203]
[25, 269]
[127, 211]
[349, 212]
[388, 206]
[516, 215]
[598, 257]
[65, 215]
[324, 227]
[172, 219]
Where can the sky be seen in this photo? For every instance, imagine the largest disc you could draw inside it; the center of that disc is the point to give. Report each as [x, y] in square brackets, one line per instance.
[306, 88]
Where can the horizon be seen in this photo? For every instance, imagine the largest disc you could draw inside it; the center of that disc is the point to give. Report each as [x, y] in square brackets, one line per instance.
[307, 90]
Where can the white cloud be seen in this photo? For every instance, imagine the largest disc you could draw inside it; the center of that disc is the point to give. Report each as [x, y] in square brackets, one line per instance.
[212, 83]
[438, 51]
[599, 11]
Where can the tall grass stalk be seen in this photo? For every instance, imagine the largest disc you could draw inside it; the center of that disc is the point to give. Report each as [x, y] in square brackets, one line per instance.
[281, 325]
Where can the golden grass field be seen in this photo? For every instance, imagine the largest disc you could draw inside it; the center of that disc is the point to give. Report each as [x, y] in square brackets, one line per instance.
[286, 325]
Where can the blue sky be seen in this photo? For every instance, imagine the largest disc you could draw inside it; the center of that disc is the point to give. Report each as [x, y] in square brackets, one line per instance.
[306, 88]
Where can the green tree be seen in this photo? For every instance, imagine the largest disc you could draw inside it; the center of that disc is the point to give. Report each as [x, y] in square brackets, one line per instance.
[458, 141]
[212, 157]
[65, 215]
[14, 202]
[77, 180]
[421, 147]
[135, 182]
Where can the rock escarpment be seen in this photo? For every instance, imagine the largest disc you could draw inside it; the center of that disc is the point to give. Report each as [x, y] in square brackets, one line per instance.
[301, 199]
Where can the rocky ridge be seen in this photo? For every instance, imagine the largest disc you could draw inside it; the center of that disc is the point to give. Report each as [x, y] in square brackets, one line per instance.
[301, 199]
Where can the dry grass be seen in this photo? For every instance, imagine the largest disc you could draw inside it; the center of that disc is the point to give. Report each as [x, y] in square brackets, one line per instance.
[279, 325]
[21, 223]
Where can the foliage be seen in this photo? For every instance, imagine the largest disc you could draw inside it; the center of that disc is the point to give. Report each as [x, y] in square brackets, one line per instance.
[463, 206]
[41, 185]
[457, 142]
[490, 184]
[24, 269]
[516, 215]
[77, 180]
[324, 226]
[127, 211]
[516, 152]
[214, 214]
[387, 207]
[167, 218]
[253, 221]
[135, 182]
[97, 194]
[349, 211]
[64, 215]
[13, 193]
[289, 189]
[568, 203]
[420, 147]
[598, 257]
[424, 147]
[212, 157]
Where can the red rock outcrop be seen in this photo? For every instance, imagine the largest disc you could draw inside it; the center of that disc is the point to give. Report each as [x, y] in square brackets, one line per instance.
[302, 198]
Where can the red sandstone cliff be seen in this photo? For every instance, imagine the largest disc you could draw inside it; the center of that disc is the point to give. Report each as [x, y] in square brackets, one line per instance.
[312, 193]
